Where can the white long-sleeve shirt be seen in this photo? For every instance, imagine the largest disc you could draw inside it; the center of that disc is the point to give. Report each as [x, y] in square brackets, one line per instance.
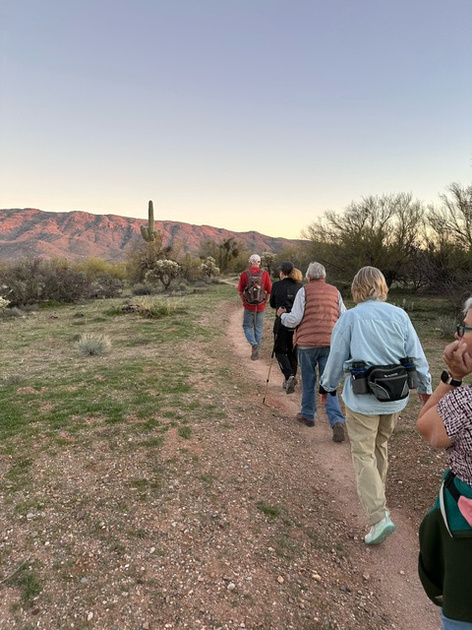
[292, 319]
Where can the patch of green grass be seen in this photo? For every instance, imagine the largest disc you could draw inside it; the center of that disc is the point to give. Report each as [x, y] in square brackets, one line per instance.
[185, 432]
[318, 541]
[150, 424]
[115, 310]
[51, 304]
[138, 533]
[139, 484]
[208, 478]
[28, 506]
[271, 511]
[26, 579]
[152, 442]
[19, 474]
[285, 546]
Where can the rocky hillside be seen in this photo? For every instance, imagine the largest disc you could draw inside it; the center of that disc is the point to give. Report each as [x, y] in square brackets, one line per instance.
[79, 235]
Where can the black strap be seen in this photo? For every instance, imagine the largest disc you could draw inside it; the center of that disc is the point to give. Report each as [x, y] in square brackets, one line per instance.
[451, 486]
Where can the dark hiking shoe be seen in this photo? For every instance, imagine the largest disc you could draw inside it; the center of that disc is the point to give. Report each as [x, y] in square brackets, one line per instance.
[338, 432]
[305, 421]
[290, 384]
[256, 353]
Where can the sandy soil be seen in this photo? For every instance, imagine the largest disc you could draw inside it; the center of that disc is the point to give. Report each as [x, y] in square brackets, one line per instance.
[250, 520]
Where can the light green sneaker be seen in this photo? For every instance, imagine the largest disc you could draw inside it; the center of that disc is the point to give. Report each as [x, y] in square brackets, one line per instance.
[380, 531]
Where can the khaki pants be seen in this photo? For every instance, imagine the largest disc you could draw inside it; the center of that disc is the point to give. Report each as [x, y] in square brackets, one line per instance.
[369, 437]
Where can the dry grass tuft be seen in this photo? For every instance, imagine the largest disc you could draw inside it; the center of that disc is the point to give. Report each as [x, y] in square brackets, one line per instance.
[94, 345]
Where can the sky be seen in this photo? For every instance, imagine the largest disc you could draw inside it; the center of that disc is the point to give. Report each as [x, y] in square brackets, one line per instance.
[239, 114]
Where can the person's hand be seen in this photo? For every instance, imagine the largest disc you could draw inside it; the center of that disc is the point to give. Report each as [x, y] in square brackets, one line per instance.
[281, 310]
[458, 360]
[323, 399]
[424, 398]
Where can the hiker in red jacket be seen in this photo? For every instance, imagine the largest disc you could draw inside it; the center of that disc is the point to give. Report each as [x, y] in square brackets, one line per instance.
[254, 288]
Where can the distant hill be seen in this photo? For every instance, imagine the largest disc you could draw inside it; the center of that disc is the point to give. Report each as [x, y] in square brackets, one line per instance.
[79, 235]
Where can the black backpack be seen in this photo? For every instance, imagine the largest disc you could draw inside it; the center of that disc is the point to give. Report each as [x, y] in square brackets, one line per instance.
[254, 292]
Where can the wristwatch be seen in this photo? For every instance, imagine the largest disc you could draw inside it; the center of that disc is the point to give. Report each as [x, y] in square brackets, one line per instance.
[447, 378]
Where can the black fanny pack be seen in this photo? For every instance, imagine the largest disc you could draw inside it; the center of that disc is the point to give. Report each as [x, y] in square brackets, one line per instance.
[388, 382]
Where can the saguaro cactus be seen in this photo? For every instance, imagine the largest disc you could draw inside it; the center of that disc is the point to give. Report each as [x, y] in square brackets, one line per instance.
[149, 233]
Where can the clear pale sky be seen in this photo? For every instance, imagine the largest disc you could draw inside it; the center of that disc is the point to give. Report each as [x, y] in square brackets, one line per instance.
[241, 114]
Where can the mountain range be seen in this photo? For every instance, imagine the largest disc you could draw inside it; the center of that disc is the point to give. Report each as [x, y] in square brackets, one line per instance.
[80, 235]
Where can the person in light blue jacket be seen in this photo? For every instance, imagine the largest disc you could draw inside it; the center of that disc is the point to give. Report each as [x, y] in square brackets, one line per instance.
[377, 334]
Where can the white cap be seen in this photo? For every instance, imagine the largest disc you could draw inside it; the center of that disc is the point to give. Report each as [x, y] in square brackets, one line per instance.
[255, 259]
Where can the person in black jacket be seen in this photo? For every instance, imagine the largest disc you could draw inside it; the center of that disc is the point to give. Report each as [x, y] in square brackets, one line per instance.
[282, 295]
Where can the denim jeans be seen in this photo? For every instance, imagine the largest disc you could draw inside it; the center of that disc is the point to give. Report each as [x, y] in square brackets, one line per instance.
[308, 359]
[252, 326]
[452, 624]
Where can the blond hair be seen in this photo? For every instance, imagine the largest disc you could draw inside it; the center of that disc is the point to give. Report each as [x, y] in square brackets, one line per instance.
[369, 284]
[296, 275]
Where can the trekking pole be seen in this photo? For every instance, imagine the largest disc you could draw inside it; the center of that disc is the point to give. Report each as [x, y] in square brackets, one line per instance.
[268, 377]
[271, 360]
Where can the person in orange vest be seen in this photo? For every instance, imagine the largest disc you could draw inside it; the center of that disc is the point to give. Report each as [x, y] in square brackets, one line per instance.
[316, 309]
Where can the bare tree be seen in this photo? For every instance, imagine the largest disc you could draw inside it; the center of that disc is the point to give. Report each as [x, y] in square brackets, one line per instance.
[453, 220]
[379, 231]
[223, 253]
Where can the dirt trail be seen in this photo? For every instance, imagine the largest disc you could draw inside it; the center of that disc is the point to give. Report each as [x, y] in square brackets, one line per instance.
[391, 568]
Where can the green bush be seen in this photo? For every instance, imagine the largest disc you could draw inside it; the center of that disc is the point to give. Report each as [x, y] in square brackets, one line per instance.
[106, 286]
[32, 281]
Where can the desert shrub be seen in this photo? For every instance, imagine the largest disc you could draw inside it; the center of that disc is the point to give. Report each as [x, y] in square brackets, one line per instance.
[12, 379]
[12, 312]
[161, 307]
[95, 268]
[32, 281]
[63, 284]
[106, 286]
[191, 268]
[93, 344]
[141, 288]
[22, 281]
[446, 326]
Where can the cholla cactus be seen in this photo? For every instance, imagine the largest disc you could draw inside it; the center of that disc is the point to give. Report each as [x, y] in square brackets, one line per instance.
[268, 260]
[209, 268]
[3, 303]
[164, 271]
[149, 233]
